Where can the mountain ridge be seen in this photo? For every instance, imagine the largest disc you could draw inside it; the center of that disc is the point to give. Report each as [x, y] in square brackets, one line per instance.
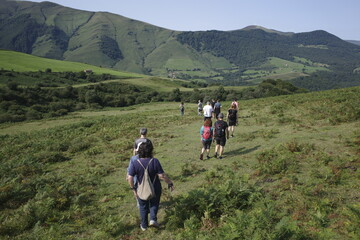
[105, 39]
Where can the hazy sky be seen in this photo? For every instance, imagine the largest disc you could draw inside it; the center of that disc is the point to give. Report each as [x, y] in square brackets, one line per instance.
[338, 17]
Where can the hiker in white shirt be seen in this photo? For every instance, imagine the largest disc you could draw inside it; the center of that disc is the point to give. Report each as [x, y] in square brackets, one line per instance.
[208, 110]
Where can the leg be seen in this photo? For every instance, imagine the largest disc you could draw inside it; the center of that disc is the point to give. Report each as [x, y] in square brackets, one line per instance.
[221, 151]
[154, 207]
[222, 145]
[216, 150]
[144, 211]
[232, 130]
[202, 150]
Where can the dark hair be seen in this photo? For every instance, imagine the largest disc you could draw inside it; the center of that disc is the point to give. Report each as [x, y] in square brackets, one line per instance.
[145, 149]
[208, 123]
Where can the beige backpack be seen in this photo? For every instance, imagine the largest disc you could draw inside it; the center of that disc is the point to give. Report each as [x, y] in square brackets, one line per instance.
[145, 190]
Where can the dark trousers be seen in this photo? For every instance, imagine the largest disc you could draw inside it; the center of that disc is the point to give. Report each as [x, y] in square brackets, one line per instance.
[150, 206]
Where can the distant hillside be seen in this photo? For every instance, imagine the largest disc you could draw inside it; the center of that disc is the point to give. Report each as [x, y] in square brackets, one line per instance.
[21, 62]
[241, 57]
[354, 42]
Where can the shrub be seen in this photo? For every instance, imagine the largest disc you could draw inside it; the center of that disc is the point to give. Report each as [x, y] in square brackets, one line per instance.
[210, 204]
[282, 158]
[32, 114]
[51, 157]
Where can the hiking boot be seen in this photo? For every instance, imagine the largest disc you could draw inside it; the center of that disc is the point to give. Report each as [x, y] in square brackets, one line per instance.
[154, 223]
[216, 155]
[232, 135]
[207, 157]
[220, 157]
[201, 156]
[142, 228]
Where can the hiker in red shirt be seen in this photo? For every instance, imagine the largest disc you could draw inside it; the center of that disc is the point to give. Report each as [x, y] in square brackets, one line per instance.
[206, 133]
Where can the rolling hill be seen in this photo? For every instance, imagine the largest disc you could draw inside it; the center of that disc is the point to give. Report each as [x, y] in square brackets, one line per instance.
[22, 62]
[290, 172]
[239, 57]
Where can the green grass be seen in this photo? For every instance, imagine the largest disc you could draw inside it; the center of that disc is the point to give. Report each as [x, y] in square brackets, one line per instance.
[21, 62]
[290, 170]
[158, 84]
[276, 68]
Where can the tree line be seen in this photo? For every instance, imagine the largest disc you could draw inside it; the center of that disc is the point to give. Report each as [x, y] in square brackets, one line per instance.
[35, 102]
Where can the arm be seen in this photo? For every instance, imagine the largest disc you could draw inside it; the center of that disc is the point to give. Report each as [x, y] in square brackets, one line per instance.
[130, 166]
[131, 183]
[165, 178]
[201, 132]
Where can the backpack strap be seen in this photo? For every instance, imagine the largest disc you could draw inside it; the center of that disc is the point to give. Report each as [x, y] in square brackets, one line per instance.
[146, 169]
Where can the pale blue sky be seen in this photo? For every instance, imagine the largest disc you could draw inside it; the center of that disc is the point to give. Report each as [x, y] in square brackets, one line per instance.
[338, 17]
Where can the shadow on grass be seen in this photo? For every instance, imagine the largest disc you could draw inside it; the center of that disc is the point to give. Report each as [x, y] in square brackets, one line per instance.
[241, 151]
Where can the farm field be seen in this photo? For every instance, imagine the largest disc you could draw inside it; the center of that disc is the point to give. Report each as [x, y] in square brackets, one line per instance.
[290, 172]
[276, 68]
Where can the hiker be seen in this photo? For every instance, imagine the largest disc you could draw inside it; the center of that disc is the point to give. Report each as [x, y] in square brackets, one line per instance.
[217, 108]
[208, 110]
[232, 119]
[213, 106]
[138, 142]
[221, 133]
[200, 107]
[156, 173]
[235, 102]
[182, 108]
[143, 132]
[132, 160]
[206, 132]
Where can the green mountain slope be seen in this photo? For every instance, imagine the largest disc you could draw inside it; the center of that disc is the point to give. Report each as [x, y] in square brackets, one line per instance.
[108, 40]
[21, 62]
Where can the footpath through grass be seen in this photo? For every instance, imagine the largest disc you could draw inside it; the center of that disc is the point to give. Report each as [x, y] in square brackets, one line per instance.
[290, 172]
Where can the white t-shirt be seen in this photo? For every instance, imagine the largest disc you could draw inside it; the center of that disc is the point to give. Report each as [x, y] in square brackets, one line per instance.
[208, 111]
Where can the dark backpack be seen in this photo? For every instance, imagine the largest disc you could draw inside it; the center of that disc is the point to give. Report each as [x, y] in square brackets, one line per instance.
[206, 133]
[232, 114]
[145, 190]
[219, 130]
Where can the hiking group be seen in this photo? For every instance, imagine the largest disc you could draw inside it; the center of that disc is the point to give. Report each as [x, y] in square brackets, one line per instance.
[221, 130]
[145, 172]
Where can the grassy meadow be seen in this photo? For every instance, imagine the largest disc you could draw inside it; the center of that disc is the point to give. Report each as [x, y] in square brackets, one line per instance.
[276, 68]
[290, 172]
[21, 62]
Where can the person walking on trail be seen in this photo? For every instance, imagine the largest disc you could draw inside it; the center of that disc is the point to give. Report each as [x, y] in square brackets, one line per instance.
[235, 102]
[208, 110]
[217, 108]
[182, 108]
[132, 160]
[206, 133]
[221, 133]
[135, 157]
[232, 119]
[213, 106]
[143, 133]
[200, 107]
[156, 173]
